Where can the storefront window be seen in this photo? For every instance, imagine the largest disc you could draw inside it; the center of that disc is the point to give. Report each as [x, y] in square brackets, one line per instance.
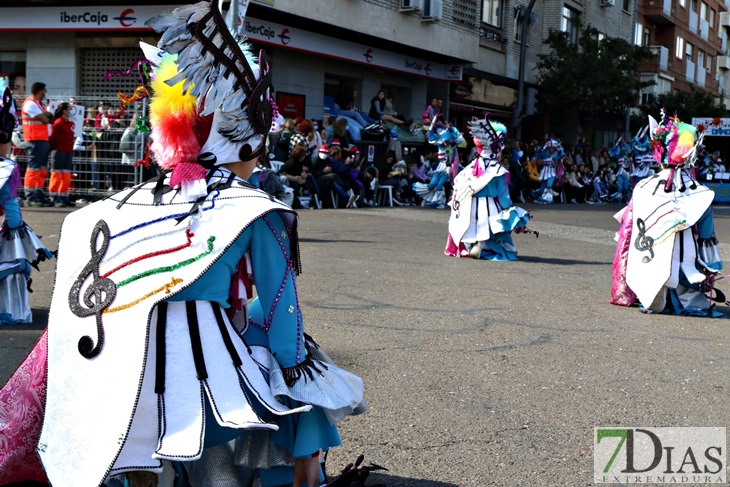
[12, 66]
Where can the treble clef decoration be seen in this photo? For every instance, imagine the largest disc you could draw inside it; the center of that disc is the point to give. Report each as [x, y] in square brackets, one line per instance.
[98, 295]
[455, 205]
[644, 243]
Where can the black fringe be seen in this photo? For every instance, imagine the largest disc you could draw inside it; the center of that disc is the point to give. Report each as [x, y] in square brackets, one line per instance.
[306, 369]
[707, 242]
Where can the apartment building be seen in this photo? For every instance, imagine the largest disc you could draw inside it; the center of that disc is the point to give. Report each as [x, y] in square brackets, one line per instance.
[690, 40]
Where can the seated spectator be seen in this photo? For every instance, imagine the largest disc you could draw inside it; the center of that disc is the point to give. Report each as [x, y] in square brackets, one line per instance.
[266, 179]
[312, 139]
[574, 189]
[282, 148]
[296, 172]
[345, 106]
[328, 180]
[390, 174]
[377, 111]
[532, 173]
[391, 107]
[339, 132]
[430, 114]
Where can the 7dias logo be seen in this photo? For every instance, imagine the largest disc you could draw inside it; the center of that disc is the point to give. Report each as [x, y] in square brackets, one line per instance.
[659, 455]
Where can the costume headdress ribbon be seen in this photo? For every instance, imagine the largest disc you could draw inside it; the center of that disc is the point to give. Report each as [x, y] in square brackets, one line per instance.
[675, 144]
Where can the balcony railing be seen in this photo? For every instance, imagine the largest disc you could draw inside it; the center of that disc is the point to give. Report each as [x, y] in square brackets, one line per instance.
[661, 59]
[701, 77]
[659, 11]
[689, 72]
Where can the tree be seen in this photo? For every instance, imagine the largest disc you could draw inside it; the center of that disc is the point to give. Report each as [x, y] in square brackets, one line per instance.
[598, 77]
[685, 105]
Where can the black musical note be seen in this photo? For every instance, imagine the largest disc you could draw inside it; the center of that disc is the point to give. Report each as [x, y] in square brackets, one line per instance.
[98, 295]
[455, 205]
[642, 242]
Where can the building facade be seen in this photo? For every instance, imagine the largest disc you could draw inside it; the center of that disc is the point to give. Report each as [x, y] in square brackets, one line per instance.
[690, 42]
[467, 52]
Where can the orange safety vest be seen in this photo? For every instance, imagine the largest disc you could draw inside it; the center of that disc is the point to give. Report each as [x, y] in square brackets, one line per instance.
[33, 129]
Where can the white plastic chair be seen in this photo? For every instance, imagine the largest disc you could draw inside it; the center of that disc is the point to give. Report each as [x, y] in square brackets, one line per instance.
[383, 192]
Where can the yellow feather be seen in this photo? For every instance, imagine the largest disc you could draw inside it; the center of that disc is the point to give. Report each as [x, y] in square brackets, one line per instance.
[169, 100]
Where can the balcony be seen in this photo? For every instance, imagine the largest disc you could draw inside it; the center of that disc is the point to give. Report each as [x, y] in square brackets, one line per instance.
[660, 62]
[659, 12]
[723, 63]
[693, 20]
[689, 72]
[704, 29]
[701, 77]
[725, 20]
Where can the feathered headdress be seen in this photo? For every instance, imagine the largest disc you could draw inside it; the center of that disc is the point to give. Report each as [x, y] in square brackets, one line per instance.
[210, 102]
[489, 137]
[675, 143]
[675, 146]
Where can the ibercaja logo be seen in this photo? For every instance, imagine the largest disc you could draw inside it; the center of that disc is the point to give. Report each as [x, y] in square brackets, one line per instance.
[659, 455]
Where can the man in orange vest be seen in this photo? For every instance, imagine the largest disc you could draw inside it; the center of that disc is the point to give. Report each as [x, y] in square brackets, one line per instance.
[36, 120]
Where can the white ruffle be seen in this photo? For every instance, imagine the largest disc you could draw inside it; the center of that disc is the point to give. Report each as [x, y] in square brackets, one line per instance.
[338, 392]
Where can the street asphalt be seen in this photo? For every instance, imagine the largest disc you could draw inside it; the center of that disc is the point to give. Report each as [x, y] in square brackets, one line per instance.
[480, 373]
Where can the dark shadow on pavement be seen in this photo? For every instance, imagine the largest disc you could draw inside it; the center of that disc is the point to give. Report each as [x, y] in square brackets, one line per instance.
[324, 240]
[383, 480]
[554, 261]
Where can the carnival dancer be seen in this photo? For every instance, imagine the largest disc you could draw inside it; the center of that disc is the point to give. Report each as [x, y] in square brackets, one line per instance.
[550, 155]
[482, 213]
[20, 248]
[446, 138]
[148, 329]
[643, 157]
[667, 256]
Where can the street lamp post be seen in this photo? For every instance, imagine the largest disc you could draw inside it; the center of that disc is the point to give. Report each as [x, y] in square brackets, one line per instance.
[518, 113]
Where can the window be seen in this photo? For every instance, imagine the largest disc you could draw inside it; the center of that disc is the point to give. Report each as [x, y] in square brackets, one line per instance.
[708, 63]
[491, 12]
[688, 51]
[711, 20]
[693, 5]
[683, 3]
[647, 36]
[703, 10]
[638, 32]
[679, 48]
[700, 58]
[569, 24]
[627, 5]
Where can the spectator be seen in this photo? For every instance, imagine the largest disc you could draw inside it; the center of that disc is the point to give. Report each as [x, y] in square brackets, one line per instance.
[340, 133]
[62, 144]
[377, 111]
[36, 120]
[391, 106]
[532, 175]
[392, 175]
[574, 189]
[313, 139]
[328, 180]
[430, 113]
[345, 107]
[296, 171]
[282, 147]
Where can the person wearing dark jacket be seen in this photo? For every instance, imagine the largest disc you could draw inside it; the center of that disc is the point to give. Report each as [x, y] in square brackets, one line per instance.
[377, 110]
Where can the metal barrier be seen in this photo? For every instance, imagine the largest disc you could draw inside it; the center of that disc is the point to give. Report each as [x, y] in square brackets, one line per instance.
[105, 151]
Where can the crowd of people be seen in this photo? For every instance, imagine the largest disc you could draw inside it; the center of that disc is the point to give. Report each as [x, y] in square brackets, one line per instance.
[88, 150]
